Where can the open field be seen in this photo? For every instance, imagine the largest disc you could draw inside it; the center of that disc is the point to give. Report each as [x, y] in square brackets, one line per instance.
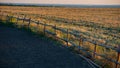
[101, 25]
[98, 15]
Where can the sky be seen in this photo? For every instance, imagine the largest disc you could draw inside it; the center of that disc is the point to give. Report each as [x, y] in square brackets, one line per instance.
[88, 2]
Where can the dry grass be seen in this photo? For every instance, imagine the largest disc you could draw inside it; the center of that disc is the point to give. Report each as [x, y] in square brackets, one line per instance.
[97, 15]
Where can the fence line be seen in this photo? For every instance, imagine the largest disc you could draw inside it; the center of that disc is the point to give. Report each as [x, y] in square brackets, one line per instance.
[81, 39]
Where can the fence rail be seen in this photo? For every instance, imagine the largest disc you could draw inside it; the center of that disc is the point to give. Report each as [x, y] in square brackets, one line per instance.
[79, 37]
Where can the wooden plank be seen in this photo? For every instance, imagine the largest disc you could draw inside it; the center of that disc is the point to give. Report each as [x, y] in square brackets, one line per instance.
[109, 59]
[27, 19]
[61, 29]
[62, 39]
[20, 18]
[92, 41]
[50, 32]
[49, 25]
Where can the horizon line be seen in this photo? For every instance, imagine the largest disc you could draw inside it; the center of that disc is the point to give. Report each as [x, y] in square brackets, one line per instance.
[56, 3]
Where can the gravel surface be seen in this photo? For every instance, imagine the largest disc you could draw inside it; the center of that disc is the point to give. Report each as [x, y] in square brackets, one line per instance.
[21, 49]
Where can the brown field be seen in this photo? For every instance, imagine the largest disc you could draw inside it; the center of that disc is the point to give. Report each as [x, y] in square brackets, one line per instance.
[99, 24]
[98, 15]
[108, 18]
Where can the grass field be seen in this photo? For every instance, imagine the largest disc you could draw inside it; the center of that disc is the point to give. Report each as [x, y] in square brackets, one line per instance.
[97, 15]
[100, 24]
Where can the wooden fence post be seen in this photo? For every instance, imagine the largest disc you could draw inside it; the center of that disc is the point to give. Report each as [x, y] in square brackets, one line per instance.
[44, 28]
[118, 56]
[55, 32]
[80, 42]
[38, 26]
[37, 23]
[94, 52]
[29, 22]
[24, 18]
[7, 18]
[11, 17]
[67, 37]
[17, 20]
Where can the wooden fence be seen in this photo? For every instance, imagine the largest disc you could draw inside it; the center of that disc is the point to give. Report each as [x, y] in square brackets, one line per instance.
[69, 43]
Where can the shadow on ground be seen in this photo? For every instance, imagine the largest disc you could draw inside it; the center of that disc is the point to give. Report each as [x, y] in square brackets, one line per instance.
[20, 49]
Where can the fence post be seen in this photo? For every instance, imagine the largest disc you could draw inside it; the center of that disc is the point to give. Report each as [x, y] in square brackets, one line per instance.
[55, 32]
[80, 42]
[7, 18]
[24, 18]
[44, 28]
[118, 56]
[11, 18]
[37, 23]
[29, 22]
[67, 37]
[17, 20]
[38, 26]
[94, 52]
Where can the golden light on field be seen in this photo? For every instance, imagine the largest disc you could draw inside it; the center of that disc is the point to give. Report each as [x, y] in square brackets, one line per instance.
[98, 15]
